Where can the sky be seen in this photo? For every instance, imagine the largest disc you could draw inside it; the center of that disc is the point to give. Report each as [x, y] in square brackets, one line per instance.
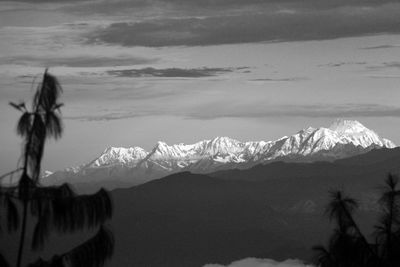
[138, 71]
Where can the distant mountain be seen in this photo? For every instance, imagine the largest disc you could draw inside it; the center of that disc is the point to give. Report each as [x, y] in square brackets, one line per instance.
[123, 167]
[274, 210]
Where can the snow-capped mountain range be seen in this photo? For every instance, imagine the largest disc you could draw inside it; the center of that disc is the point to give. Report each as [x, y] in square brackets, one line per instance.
[119, 167]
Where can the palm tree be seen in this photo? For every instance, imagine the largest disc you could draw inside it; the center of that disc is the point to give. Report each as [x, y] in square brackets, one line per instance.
[347, 246]
[388, 227]
[55, 207]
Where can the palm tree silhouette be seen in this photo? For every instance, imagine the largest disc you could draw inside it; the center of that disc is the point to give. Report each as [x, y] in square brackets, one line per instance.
[347, 242]
[388, 227]
[349, 247]
[56, 208]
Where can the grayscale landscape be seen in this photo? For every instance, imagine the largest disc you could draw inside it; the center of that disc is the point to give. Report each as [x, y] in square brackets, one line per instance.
[216, 133]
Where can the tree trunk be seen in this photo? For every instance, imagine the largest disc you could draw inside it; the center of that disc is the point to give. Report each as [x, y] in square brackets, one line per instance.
[23, 230]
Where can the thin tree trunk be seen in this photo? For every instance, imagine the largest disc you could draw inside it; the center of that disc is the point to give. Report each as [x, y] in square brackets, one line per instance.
[25, 202]
[25, 198]
[23, 230]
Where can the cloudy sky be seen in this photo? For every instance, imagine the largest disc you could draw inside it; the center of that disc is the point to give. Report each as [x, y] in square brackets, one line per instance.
[138, 71]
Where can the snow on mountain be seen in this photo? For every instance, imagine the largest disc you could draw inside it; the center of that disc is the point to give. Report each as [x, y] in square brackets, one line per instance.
[134, 165]
[120, 155]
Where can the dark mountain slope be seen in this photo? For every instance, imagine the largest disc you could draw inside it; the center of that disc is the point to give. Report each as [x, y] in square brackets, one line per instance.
[269, 211]
[375, 163]
[372, 157]
[190, 220]
[274, 210]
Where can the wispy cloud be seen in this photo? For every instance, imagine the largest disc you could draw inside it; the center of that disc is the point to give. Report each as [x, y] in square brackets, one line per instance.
[170, 72]
[288, 79]
[342, 63]
[254, 111]
[385, 65]
[107, 117]
[76, 61]
[384, 76]
[380, 47]
[310, 111]
[191, 6]
[270, 26]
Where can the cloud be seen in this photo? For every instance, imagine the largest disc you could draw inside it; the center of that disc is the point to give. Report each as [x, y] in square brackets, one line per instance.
[105, 117]
[194, 6]
[253, 262]
[260, 110]
[380, 47]
[212, 111]
[386, 65]
[289, 79]
[76, 61]
[340, 64]
[170, 72]
[265, 25]
[384, 76]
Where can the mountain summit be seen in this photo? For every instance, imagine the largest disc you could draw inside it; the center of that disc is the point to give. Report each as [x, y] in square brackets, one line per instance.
[134, 165]
[347, 126]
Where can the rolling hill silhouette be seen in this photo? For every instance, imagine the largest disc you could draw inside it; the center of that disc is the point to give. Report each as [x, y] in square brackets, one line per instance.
[269, 211]
[273, 211]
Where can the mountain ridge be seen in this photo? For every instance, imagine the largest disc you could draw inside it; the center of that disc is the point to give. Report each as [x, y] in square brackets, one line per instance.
[134, 165]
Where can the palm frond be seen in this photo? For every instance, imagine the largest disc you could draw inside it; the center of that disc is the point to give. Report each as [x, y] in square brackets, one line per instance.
[93, 253]
[69, 211]
[53, 123]
[9, 174]
[20, 106]
[48, 92]
[80, 211]
[13, 219]
[56, 261]
[57, 107]
[41, 232]
[389, 191]
[392, 181]
[340, 208]
[53, 192]
[24, 124]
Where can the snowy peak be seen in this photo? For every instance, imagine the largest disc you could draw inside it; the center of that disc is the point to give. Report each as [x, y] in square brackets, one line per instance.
[356, 133]
[343, 126]
[120, 155]
[343, 138]
[307, 142]
[222, 145]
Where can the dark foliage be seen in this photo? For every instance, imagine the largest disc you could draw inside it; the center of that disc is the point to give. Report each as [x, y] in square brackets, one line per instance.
[56, 208]
[86, 254]
[348, 246]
